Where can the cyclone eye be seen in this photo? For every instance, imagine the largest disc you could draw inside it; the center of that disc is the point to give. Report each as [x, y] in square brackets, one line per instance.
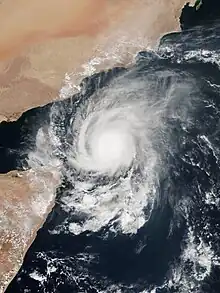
[113, 148]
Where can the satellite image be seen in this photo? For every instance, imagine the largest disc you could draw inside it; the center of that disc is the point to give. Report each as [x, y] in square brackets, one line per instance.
[110, 146]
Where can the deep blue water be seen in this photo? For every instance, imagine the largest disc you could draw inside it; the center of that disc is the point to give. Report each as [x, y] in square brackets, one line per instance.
[94, 262]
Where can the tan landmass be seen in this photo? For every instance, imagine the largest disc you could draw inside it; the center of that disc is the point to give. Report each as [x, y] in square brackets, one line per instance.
[38, 50]
[35, 53]
[25, 203]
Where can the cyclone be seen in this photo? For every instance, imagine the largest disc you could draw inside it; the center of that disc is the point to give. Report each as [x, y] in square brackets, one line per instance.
[113, 141]
[106, 141]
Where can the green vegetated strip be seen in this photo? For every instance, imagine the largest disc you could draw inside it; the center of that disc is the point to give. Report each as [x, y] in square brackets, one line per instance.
[198, 4]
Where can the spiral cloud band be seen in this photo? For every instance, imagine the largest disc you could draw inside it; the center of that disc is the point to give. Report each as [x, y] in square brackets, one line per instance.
[113, 140]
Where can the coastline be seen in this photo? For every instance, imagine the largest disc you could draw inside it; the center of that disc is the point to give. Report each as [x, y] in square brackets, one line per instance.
[34, 76]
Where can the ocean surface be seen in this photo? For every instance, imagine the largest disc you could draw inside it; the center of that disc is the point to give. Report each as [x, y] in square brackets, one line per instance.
[138, 149]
